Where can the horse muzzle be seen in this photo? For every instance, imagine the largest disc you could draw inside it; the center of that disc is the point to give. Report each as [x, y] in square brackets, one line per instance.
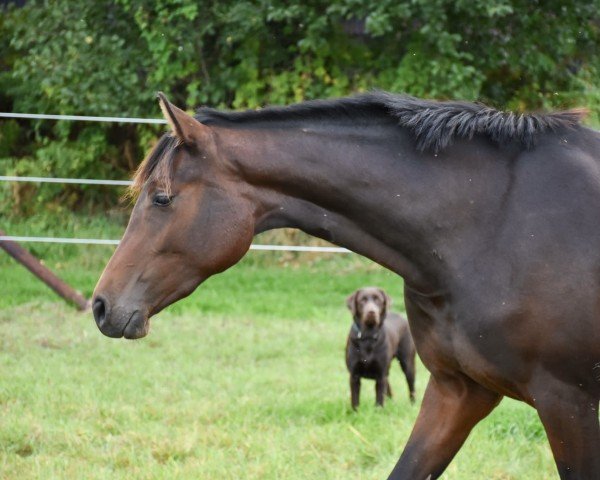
[117, 322]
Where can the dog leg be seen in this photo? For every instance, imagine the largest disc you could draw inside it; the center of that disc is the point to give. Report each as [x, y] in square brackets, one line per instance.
[354, 391]
[389, 389]
[451, 407]
[381, 385]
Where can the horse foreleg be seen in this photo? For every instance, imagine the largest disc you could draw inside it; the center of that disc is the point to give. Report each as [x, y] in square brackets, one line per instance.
[451, 407]
[570, 418]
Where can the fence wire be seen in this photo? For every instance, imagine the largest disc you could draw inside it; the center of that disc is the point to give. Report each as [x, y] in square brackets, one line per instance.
[81, 118]
[100, 241]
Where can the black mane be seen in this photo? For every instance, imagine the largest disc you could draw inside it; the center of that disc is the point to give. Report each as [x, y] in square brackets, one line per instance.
[434, 124]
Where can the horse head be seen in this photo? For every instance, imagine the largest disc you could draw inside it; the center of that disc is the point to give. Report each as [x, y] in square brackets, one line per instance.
[190, 221]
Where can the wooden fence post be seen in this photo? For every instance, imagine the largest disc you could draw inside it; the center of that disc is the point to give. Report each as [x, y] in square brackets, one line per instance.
[44, 273]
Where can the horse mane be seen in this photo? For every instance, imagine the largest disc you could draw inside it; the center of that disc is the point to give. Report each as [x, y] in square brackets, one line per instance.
[434, 124]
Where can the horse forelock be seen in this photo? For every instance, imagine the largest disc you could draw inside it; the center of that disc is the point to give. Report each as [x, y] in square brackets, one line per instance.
[434, 124]
[157, 166]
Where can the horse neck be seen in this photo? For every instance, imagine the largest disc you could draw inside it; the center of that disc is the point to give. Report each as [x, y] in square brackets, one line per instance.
[364, 188]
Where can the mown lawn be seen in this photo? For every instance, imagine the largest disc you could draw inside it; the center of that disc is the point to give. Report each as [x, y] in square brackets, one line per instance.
[245, 379]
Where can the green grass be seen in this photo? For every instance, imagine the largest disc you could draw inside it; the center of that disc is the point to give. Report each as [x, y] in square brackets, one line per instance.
[245, 379]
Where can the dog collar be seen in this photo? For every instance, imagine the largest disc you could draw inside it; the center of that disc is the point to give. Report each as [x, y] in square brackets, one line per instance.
[359, 334]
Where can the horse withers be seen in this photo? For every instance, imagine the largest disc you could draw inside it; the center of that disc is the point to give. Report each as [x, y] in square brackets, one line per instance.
[491, 218]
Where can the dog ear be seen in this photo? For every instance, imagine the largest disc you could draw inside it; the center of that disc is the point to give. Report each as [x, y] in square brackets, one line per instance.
[351, 303]
[387, 303]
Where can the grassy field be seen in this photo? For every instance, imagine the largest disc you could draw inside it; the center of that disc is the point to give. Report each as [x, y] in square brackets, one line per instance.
[245, 379]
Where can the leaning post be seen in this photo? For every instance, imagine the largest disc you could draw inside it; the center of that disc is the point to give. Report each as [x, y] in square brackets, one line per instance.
[30, 262]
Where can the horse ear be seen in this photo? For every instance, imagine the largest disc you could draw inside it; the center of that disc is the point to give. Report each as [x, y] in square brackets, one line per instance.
[184, 126]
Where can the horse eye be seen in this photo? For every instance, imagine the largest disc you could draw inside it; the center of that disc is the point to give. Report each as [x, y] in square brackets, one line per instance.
[161, 199]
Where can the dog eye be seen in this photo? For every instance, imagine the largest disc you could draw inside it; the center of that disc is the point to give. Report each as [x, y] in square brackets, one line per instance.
[162, 200]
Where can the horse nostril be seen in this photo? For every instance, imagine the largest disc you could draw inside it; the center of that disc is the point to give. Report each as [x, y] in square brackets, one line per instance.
[99, 310]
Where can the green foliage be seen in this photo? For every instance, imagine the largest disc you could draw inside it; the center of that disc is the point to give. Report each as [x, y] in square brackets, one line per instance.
[110, 57]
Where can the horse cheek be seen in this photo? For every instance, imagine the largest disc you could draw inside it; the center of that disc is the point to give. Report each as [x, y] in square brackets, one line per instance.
[222, 236]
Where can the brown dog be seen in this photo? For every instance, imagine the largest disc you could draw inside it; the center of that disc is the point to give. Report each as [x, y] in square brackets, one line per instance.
[376, 337]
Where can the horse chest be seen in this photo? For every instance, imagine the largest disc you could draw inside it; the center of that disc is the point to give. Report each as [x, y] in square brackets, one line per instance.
[451, 343]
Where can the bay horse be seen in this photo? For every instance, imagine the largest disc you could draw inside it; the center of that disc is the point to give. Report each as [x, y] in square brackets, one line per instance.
[492, 218]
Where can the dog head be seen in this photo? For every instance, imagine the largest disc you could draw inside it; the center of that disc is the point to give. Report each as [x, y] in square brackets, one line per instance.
[369, 307]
